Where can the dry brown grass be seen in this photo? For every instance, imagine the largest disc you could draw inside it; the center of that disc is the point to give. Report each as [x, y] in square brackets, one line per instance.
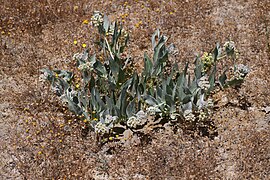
[39, 142]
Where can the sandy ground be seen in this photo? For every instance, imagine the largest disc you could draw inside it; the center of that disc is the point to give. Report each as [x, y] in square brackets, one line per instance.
[242, 117]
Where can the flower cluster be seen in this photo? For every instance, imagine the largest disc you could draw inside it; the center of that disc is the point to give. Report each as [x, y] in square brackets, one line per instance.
[202, 115]
[97, 19]
[207, 60]
[203, 83]
[88, 66]
[44, 76]
[138, 120]
[241, 72]
[123, 36]
[152, 110]
[105, 124]
[77, 56]
[101, 128]
[110, 119]
[210, 103]
[189, 116]
[229, 47]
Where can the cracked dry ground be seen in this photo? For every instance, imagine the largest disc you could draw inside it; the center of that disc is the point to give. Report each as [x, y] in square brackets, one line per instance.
[241, 149]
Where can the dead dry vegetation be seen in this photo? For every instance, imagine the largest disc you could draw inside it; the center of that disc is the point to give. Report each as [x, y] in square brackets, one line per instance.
[38, 140]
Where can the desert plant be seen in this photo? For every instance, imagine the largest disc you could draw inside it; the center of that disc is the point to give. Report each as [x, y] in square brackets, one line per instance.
[112, 94]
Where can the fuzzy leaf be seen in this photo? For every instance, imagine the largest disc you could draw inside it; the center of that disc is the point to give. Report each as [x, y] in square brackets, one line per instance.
[106, 23]
[222, 79]
[100, 68]
[212, 79]
[150, 100]
[130, 111]
[198, 68]
[154, 36]
[148, 65]
[216, 52]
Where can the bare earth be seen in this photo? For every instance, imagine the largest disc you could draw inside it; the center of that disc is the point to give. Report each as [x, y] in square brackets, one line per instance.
[36, 35]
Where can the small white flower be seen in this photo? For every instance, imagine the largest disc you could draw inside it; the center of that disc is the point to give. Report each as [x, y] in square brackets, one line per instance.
[210, 103]
[132, 122]
[77, 56]
[101, 128]
[97, 18]
[138, 120]
[88, 66]
[44, 76]
[229, 46]
[110, 119]
[152, 110]
[141, 115]
[189, 116]
[241, 72]
[203, 83]
[202, 115]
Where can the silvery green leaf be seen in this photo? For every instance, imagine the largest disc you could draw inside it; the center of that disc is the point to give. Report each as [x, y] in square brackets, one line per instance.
[187, 99]
[164, 88]
[174, 91]
[200, 103]
[154, 36]
[222, 79]
[115, 34]
[109, 102]
[121, 76]
[198, 68]
[216, 52]
[187, 106]
[134, 83]
[174, 115]
[122, 101]
[131, 108]
[101, 70]
[114, 67]
[158, 52]
[150, 100]
[148, 65]
[65, 75]
[212, 79]
[47, 74]
[169, 100]
[106, 23]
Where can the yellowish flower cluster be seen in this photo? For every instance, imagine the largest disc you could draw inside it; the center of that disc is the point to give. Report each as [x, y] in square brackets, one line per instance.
[207, 60]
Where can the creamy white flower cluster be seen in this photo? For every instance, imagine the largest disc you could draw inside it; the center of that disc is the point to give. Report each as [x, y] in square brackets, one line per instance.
[88, 66]
[152, 110]
[77, 56]
[110, 119]
[101, 128]
[138, 120]
[97, 18]
[105, 125]
[44, 76]
[203, 83]
[189, 116]
[229, 46]
[241, 71]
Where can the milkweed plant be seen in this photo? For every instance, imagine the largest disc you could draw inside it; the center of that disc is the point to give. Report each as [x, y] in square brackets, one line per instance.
[113, 94]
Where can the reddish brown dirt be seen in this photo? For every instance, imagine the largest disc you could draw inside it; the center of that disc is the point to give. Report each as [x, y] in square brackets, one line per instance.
[38, 34]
